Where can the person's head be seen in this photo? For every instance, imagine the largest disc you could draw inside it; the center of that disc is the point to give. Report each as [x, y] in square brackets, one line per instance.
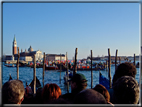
[126, 91]
[50, 92]
[13, 92]
[89, 96]
[78, 81]
[101, 89]
[124, 69]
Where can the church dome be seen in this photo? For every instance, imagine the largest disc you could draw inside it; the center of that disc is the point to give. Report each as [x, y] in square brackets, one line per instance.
[30, 49]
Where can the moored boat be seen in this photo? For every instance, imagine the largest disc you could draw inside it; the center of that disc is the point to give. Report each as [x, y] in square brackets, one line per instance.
[51, 67]
[137, 65]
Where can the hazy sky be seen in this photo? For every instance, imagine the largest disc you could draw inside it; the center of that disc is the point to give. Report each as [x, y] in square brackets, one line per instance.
[56, 28]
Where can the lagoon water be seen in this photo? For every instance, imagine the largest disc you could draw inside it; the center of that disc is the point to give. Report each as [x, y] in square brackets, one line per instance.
[50, 76]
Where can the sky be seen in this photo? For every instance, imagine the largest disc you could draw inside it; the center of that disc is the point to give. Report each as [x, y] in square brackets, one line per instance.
[56, 28]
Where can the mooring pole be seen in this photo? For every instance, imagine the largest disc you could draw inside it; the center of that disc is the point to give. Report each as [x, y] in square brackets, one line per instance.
[43, 69]
[60, 67]
[116, 60]
[134, 60]
[75, 65]
[67, 72]
[106, 65]
[109, 64]
[34, 76]
[18, 64]
[91, 71]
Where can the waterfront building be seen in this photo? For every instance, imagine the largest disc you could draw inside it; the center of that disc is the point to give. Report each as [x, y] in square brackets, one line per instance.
[55, 57]
[28, 55]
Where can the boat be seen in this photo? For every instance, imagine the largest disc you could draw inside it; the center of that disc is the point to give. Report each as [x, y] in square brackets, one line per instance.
[137, 65]
[38, 84]
[70, 73]
[15, 65]
[10, 78]
[103, 80]
[10, 65]
[37, 66]
[63, 67]
[51, 67]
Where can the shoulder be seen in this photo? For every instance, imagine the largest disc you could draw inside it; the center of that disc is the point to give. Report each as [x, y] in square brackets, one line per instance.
[68, 96]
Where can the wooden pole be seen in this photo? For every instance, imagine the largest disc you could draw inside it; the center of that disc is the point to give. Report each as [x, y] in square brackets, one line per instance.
[60, 67]
[109, 64]
[134, 60]
[106, 65]
[67, 72]
[91, 71]
[34, 76]
[75, 65]
[18, 64]
[43, 69]
[119, 60]
[116, 60]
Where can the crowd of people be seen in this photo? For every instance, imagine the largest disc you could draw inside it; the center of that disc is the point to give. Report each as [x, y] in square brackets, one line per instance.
[125, 90]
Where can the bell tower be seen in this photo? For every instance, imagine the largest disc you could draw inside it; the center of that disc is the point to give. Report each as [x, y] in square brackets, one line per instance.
[14, 46]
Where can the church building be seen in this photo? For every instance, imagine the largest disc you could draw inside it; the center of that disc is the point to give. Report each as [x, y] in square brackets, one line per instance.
[27, 55]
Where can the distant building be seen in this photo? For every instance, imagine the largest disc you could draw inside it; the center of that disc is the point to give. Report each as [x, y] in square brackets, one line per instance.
[25, 56]
[7, 57]
[54, 57]
[28, 55]
[14, 46]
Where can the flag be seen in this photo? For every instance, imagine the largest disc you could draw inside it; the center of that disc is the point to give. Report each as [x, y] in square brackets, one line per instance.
[104, 81]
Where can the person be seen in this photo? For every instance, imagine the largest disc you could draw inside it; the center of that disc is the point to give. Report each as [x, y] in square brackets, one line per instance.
[124, 69]
[28, 96]
[50, 92]
[78, 83]
[89, 96]
[126, 91]
[13, 92]
[38, 98]
[101, 89]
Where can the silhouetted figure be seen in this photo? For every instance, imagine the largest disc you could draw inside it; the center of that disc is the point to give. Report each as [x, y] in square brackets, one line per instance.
[126, 91]
[124, 69]
[89, 96]
[78, 83]
[101, 89]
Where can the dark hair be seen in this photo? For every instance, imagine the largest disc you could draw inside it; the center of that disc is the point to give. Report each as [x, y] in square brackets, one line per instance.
[50, 92]
[89, 96]
[126, 91]
[124, 69]
[101, 89]
[12, 91]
